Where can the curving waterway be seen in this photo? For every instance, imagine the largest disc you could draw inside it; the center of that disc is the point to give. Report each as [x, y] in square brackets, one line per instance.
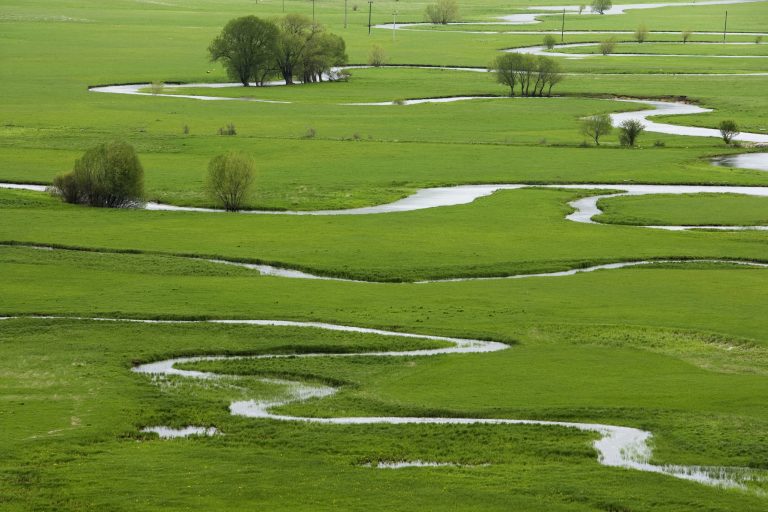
[617, 446]
[585, 208]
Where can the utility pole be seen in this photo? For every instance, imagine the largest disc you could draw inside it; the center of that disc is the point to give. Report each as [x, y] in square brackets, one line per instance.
[562, 28]
[394, 24]
[345, 13]
[725, 27]
[370, 8]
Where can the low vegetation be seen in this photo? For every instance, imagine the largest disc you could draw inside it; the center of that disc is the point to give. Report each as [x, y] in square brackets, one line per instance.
[229, 180]
[728, 130]
[442, 12]
[629, 131]
[608, 46]
[108, 175]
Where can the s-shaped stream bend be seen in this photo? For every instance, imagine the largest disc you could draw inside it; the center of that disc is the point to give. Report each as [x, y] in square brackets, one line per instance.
[617, 446]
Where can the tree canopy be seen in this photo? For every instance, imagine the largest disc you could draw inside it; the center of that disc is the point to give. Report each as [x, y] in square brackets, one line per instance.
[253, 50]
[532, 74]
[108, 175]
[246, 47]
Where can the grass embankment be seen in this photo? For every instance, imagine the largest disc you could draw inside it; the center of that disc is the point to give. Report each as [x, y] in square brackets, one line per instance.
[541, 376]
[687, 210]
[530, 235]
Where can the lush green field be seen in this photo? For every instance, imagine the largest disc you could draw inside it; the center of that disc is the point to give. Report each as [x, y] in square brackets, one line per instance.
[691, 210]
[530, 235]
[680, 349]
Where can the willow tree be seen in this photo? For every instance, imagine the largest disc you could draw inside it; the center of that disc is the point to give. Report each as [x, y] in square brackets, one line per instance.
[246, 47]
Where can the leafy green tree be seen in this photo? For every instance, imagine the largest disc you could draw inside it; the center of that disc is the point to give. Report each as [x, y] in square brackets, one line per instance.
[229, 179]
[246, 47]
[549, 41]
[296, 34]
[600, 6]
[596, 126]
[324, 52]
[550, 73]
[108, 175]
[728, 130]
[629, 131]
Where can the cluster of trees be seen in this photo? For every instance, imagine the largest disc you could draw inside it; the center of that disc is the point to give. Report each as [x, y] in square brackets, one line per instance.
[254, 50]
[111, 176]
[108, 175]
[596, 126]
[533, 74]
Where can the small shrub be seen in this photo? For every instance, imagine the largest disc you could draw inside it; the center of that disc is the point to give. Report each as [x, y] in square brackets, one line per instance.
[65, 186]
[185, 129]
[659, 144]
[229, 179]
[549, 41]
[377, 57]
[398, 102]
[443, 12]
[641, 34]
[157, 87]
[228, 130]
[758, 39]
[629, 131]
[356, 136]
[728, 130]
[108, 175]
[354, 8]
[608, 46]
[310, 133]
[686, 35]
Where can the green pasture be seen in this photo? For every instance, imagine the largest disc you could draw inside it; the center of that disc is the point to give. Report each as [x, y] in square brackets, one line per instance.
[529, 234]
[678, 349]
[694, 209]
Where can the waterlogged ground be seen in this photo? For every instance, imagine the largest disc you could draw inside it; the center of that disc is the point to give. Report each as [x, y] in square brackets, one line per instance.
[480, 319]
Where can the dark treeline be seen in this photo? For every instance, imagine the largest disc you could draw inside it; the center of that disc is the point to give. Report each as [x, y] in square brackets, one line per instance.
[292, 47]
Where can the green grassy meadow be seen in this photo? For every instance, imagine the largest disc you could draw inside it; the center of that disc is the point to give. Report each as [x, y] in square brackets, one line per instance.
[677, 349]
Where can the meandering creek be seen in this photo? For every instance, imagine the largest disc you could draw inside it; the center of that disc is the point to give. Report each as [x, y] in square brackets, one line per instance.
[617, 445]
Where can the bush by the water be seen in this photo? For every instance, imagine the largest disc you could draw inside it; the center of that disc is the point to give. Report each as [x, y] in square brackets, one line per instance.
[229, 179]
[108, 175]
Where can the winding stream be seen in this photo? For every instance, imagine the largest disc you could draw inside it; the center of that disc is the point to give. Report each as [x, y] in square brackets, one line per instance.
[543, 50]
[585, 208]
[554, 10]
[618, 446]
